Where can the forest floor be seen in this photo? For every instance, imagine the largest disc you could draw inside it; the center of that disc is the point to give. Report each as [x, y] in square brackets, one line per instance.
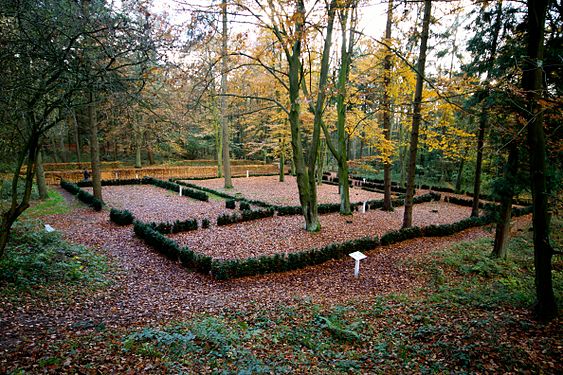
[423, 305]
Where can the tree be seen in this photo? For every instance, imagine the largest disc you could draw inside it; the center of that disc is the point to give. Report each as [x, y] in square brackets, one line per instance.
[224, 123]
[545, 306]
[416, 117]
[387, 205]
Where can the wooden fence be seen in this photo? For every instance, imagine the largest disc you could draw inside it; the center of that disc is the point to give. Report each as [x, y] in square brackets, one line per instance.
[54, 177]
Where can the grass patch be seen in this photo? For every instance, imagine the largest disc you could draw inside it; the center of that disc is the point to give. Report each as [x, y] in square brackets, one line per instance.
[53, 205]
[35, 259]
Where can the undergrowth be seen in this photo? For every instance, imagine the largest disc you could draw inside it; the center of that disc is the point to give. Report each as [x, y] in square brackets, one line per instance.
[36, 258]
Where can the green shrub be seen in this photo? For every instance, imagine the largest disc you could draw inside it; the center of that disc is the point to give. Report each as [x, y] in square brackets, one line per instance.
[244, 205]
[70, 187]
[156, 240]
[184, 226]
[395, 236]
[121, 217]
[226, 219]
[230, 204]
[248, 215]
[36, 257]
[205, 223]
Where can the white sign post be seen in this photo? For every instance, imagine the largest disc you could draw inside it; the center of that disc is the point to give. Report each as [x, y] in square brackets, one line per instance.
[116, 176]
[247, 174]
[49, 228]
[180, 190]
[357, 257]
[364, 207]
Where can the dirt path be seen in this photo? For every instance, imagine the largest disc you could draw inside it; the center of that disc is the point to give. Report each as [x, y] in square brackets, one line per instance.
[147, 288]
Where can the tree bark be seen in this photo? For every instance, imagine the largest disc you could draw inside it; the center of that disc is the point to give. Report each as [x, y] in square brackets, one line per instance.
[224, 122]
[76, 137]
[484, 118]
[387, 205]
[545, 307]
[40, 177]
[480, 143]
[282, 160]
[503, 223]
[416, 119]
[94, 147]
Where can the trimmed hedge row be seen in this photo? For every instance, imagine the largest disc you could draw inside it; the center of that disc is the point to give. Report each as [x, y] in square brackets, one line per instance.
[159, 242]
[246, 215]
[83, 195]
[195, 194]
[175, 227]
[121, 217]
[223, 195]
[133, 181]
[228, 269]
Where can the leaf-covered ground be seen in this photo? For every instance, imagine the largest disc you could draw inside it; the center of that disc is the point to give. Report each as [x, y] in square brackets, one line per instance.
[412, 310]
[269, 189]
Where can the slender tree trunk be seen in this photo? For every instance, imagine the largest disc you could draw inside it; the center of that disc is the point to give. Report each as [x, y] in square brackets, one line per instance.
[320, 167]
[416, 119]
[503, 224]
[478, 165]
[387, 205]
[138, 146]
[282, 160]
[40, 177]
[54, 148]
[76, 137]
[484, 119]
[64, 156]
[545, 307]
[150, 155]
[224, 122]
[17, 205]
[94, 147]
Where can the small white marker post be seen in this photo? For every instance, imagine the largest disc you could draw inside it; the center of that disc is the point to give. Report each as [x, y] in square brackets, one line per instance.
[49, 228]
[116, 176]
[180, 191]
[364, 207]
[247, 174]
[357, 257]
[137, 176]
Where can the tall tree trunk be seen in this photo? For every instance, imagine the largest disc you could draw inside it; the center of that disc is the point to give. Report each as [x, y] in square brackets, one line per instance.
[320, 166]
[282, 160]
[40, 176]
[387, 205]
[224, 122]
[17, 205]
[94, 147]
[416, 118]
[76, 136]
[64, 156]
[138, 146]
[503, 223]
[478, 165]
[545, 307]
[484, 118]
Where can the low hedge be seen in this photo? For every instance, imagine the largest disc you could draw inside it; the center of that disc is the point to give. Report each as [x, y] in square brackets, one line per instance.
[245, 215]
[175, 227]
[169, 185]
[244, 205]
[230, 204]
[195, 261]
[83, 195]
[161, 243]
[222, 194]
[121, 217]
[132, 181]
[228, 269]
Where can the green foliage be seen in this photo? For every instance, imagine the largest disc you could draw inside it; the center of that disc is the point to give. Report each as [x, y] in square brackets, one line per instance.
[244, 205]
[132, 181]
[53, 205]
[230, 204]
[36, 257]
[196, 261]
[248, 215]
[205, 223]
[227, 269]
[121, 217]
[226, 219]
[340, 329]
[83, 195]
[195, 194]
[395, 236]
[6, 190]
[156, 240]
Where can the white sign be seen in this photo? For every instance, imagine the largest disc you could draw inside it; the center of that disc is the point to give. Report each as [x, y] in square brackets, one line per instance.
[357, 257]
[180, 190]
[364, 207]
[49, 228]
[247, 174]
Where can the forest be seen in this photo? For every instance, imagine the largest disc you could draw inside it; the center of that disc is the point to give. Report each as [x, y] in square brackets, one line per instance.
[183, 181]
